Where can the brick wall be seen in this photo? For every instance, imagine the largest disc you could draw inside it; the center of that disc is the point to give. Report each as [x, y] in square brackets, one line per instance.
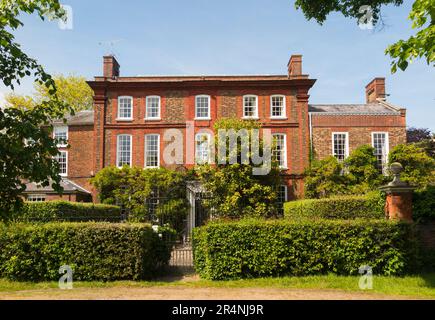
[359, 129]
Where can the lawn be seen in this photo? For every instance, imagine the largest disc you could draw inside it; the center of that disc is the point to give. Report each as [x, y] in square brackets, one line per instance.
[411, 286]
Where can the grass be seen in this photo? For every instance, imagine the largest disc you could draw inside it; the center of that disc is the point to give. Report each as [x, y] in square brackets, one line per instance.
[422, 286]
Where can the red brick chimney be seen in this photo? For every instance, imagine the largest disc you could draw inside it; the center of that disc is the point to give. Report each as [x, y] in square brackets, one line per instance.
[295, 66]
[110, 67]
[375, 90]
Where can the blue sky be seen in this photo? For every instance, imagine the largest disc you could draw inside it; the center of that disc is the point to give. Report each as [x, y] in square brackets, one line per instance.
[173, 37]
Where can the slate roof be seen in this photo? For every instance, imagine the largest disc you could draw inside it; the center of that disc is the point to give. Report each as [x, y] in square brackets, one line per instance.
[377, 108]
[80, 118]
[68, 187]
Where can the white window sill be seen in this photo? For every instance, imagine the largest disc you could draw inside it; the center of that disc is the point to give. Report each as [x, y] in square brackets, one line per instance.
[199, 119]
[62, 145]
[152, 119]
[250, 118]
[63, 175]
[152, 167]
[124, 119]
[279, 118]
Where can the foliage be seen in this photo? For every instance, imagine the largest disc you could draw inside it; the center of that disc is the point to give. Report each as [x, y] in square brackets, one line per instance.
[344, 207]
[26, 150]
[417, 134]
[95, 251]
[132, 187]
[71, 89]
[418, 167]
[358, 174]
[421, 45]
[423, 204]
[65, 211]
[236, 190]
[256, 248]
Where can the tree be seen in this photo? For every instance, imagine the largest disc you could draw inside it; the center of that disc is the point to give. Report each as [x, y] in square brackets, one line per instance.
[236, 191]
[417, 134]
[26, 149]
[419, 167]
[147, 194]
[421, 45]
[73, 90]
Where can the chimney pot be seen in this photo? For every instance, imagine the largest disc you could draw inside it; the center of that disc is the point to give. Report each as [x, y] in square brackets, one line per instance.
[110, 67]
[375, 90]
[295, 66]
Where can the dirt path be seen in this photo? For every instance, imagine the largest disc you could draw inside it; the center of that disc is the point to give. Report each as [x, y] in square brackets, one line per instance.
[188, 293]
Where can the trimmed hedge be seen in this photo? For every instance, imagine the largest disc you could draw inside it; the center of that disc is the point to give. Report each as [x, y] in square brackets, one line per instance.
[423, 204]
[65, 211]
[95, 251]
[244, 249]
[345, 207]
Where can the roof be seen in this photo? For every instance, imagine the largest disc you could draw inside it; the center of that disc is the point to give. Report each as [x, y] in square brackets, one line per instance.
[85, 117]
[68, 187]
[376, 108]
[186, 78]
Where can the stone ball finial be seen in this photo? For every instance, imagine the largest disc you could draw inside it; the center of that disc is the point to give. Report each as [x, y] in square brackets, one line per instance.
[396, 168]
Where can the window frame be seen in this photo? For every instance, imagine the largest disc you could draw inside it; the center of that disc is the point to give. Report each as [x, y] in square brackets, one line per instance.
[208, 106]
[387, 145]
[285, 165]
[244, 106]
[65, 143]
[158, 151]
[66, 162]
[117, 149]
[346, 145]
[37, 196]
[284, 107]
[159, 108]
[208, 135]
[119, 118]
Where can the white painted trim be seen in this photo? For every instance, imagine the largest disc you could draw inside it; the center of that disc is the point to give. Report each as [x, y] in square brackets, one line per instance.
[117, 149]
[209, 108]
[346, 153]
[119, 118]
[285, 166]
[208, 143]
[146, 108]
[158, 151]
[256, 106]
[66, 164]
[284, 116]
[63, 145]
[387, 143]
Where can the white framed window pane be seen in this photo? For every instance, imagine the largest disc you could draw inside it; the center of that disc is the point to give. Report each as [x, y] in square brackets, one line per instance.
[124, 150]
[279, 149]
[153, 107]
[35, 198]
[152, 151]
[250, 106]
[340, 146]
[125, 105]
[380, 146]
[62, 160]
[202, 107]
[278, 105]
[202, 148]
[60, 134]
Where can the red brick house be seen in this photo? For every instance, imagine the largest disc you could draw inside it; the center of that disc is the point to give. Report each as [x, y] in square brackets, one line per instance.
[132, 115]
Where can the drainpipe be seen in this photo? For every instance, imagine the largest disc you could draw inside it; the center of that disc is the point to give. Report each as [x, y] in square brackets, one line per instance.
[311, 134]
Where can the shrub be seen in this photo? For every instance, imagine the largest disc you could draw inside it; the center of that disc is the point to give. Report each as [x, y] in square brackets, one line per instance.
[95, 251]
[255, 248]
[65, 211]
[424, 204]
[343, 207]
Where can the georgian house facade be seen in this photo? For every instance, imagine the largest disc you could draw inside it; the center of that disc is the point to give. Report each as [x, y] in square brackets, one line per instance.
[134, 119]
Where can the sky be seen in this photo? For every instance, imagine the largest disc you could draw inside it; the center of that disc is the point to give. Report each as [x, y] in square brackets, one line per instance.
[232, 37]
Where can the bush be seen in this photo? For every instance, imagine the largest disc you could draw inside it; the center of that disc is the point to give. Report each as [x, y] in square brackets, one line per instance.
[343, 207]
[424, 204]
[95, 251]
[256, 248]
[65, 211]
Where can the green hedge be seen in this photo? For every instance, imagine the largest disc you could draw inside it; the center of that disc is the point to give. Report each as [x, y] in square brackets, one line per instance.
[95, 251]
[231, 250]
[423, 204]
[344, 207]
[65, 211]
